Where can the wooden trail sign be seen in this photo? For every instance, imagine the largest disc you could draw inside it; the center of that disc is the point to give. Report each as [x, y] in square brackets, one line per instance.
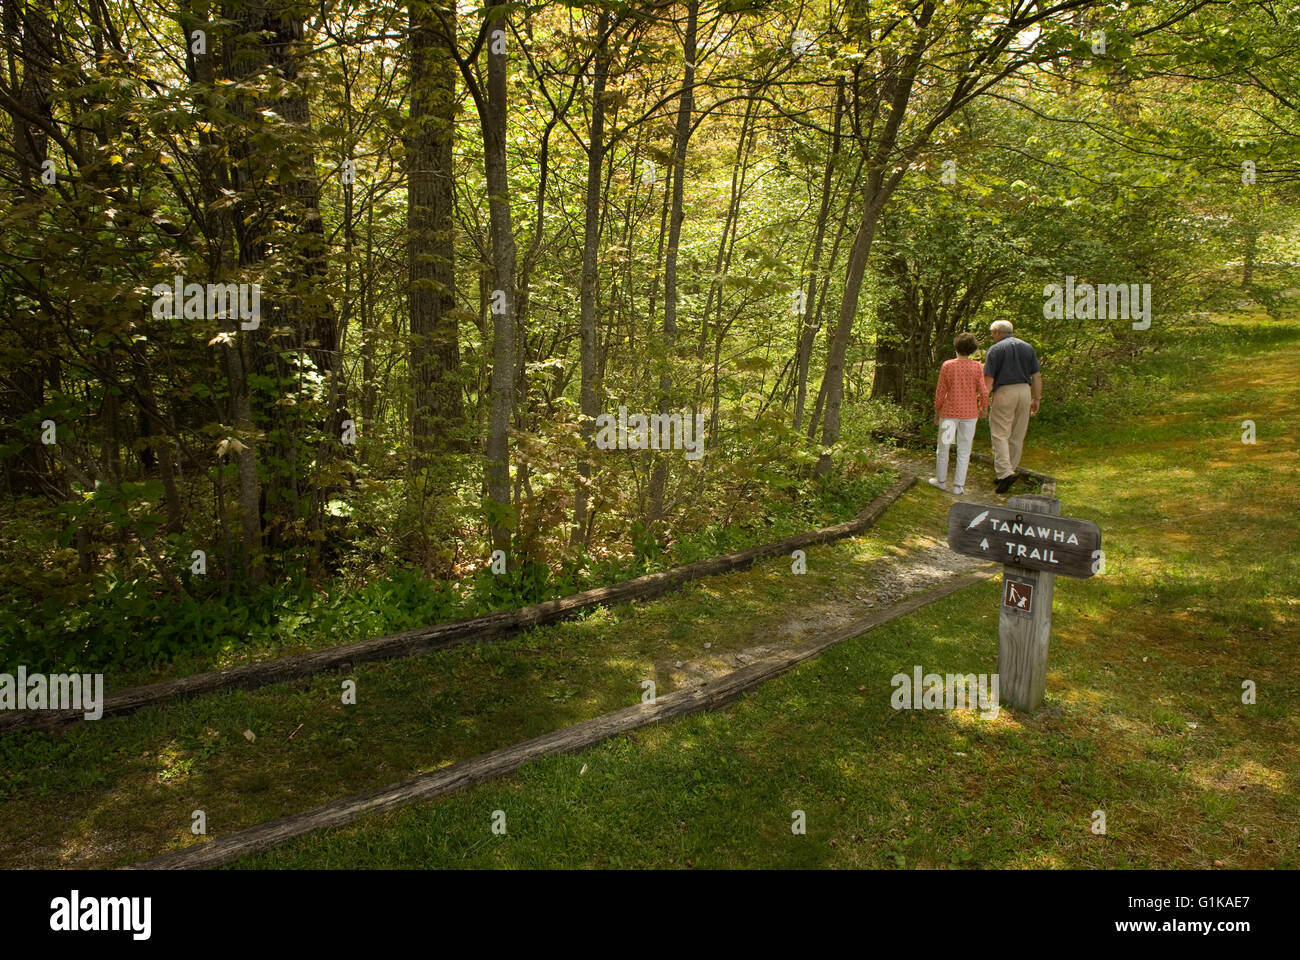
[1026, 536]
[1034, 543]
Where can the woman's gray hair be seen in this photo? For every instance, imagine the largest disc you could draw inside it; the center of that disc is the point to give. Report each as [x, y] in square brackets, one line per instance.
[1001, 327]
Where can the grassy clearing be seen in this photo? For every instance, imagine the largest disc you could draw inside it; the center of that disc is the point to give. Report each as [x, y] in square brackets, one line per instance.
[1143, 719]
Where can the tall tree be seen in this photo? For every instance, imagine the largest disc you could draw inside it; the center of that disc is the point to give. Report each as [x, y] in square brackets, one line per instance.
[437, 408]
[681, 140]
[589, 399]
[30, 60]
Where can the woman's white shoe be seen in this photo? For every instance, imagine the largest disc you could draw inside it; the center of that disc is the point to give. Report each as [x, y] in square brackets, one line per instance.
[936, 482]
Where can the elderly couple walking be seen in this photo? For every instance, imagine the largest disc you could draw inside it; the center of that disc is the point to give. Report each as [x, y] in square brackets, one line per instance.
[1008, 387]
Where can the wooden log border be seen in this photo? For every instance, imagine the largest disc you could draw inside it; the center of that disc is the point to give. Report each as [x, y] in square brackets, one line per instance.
[706, 696]
[482, 629]
[915, 440]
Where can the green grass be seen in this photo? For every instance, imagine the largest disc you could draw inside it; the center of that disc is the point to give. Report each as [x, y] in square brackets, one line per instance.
[1143, 718]
[1208, 601]
[123, 789]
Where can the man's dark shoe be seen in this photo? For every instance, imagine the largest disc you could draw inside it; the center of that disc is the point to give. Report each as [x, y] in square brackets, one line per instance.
[1005, 483]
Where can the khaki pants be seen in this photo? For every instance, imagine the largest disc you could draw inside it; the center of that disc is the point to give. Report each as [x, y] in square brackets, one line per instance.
[1008, 421]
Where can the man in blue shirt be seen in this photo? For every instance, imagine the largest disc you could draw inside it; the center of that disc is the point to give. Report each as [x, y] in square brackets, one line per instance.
[1012, 375]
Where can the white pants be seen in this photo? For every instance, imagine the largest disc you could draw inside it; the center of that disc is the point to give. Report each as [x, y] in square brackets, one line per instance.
[963, 432]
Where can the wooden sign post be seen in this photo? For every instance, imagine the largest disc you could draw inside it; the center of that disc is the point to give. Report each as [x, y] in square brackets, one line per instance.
[1034, 543]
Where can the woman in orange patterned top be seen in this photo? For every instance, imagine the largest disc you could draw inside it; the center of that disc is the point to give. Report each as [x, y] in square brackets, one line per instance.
[960, 399]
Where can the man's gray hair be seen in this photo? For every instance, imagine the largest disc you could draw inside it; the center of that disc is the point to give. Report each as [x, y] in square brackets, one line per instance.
[1002, 328]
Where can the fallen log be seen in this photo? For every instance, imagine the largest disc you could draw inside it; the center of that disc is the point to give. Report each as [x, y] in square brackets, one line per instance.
[483, 629]
[706, 696]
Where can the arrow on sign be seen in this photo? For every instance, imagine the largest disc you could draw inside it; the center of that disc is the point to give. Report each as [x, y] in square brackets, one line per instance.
[1054, 544]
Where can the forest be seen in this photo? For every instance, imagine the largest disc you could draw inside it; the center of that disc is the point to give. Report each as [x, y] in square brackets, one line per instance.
[337, 319]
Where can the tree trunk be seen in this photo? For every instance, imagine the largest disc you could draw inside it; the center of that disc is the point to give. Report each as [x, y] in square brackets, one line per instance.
[30, 43]
[807, 329]
[240, 62]
[306, 306]
[833, 379]
[503, 271]
[589, 398]
[368, 333]
[658, 478]
[437, 411]
[889, 381]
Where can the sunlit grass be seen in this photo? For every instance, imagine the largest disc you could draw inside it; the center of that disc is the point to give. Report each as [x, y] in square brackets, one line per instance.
[1143, 718]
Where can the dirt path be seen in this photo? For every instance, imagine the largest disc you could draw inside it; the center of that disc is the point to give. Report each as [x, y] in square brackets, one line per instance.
[914, 570]
[919, 563]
